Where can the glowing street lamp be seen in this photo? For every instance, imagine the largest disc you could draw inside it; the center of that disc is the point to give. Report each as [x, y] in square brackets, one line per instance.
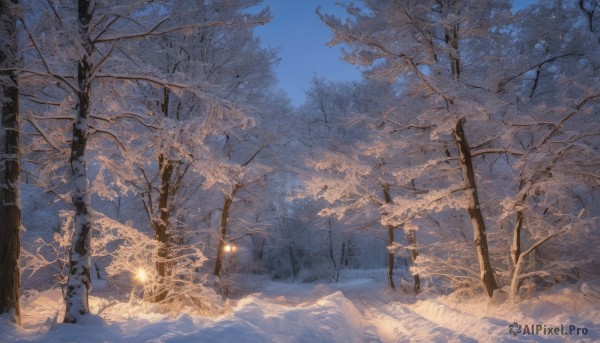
[229, 248]
[141, 275]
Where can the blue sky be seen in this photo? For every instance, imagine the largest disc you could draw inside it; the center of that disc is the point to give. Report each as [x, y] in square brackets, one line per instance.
[300, 37]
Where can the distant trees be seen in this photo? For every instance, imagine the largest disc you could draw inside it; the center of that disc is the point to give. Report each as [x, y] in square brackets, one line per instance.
[10, 164]
[354, 185]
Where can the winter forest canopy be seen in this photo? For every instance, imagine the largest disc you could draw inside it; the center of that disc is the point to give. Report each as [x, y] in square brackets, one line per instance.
[150, 159]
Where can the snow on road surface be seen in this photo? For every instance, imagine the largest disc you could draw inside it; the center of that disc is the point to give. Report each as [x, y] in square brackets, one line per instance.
[358, 310]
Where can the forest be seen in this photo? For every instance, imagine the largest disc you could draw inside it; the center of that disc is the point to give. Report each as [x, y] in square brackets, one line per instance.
[155, 175]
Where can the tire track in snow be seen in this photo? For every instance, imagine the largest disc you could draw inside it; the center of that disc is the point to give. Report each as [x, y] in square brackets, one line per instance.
[476, 327]
[395, 322]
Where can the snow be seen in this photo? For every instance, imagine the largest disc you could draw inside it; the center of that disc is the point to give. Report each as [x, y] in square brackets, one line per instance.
[357, 309]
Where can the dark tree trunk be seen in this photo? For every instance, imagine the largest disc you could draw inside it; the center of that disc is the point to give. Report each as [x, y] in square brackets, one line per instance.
[10, 197]
[411, 238]
[474, 209]
[78, 283]
[451, 37]
[336, 267]
[390, 269]
[161, 230]
[293, 261]
[515, 249]
[331, 255]
[223, 234]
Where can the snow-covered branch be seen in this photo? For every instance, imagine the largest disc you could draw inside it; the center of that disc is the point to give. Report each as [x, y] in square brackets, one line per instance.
[508, 79]
[43, 134]
[560, 123]
[497, 151]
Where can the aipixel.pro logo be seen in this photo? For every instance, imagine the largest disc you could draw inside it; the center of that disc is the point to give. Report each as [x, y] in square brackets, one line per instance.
[547, 330]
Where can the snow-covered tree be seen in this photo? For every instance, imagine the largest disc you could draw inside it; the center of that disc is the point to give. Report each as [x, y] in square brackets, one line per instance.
[179, 161]
[488, 83]
[101, 39]
[551, 123]
[427, 46]
[355, 185]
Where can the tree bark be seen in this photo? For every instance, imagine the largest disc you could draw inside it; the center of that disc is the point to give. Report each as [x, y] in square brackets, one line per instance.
[161, 229]
[336, 269]
[515, 249]
[451, 37]
[78, 283]
[223, 235]
[486, 273]
[10, 196]
[411, 238]
[293, 261]
[390, 269]
[515, 283]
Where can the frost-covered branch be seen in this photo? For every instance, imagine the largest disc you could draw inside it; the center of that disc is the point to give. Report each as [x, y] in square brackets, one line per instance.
[112, 135]
[62, 78]
[402, 212]
[153, 30]
[111, 118]
[506, 80]
[497, 151]
[150, 31]
[559, 124]
[148, 78]
[43, 134]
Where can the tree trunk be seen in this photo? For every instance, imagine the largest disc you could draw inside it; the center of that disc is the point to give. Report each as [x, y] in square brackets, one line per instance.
[411, 238]
[390, 270]
[515, 249]
[78, 283]
[515, 283]
[161, 230]
[473, 208]
[223, 235]
[451, 37]
[10, 197]
[293, 261]
[336, 268]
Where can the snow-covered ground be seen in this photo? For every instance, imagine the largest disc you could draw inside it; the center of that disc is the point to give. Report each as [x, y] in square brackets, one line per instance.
[353, 310]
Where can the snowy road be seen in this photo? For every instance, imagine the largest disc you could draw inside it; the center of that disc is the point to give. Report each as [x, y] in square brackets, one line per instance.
[398, 317]
[357, 310]
[395, 321]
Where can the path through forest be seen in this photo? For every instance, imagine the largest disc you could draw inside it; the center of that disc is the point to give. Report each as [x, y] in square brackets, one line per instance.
[356, 309]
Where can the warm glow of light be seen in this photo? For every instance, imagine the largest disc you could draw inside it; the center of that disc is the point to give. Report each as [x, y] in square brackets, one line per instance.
[141, 275]
[229, 248]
